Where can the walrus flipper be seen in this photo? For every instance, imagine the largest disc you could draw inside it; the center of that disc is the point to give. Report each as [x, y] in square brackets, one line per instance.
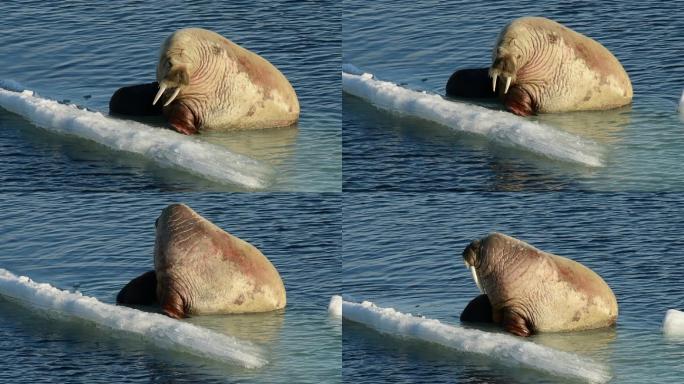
[140, 291]
[135, 100]
[515, 324]
[479, 310]
[470, 83]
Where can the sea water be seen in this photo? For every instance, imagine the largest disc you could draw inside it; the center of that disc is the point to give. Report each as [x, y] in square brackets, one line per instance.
[402, 252]
[91, 245]
[80, 53]
[419, 44]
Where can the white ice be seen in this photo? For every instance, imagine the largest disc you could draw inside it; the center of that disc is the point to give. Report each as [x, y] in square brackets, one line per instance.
[335, 306]
[498, 126]
[161, 330]
[163, 146]
[673, 325]
[509, 350]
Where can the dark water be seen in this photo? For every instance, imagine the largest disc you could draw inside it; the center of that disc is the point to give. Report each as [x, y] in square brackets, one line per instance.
[404, 251]
[420, 44]
[83, 51]
[96, 243]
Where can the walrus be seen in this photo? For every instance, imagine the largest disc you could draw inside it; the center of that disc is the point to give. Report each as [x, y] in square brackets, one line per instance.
[205, 82]
[541, 66]
[135, 100]
[528, 291]
[201, 269]
[470, 83]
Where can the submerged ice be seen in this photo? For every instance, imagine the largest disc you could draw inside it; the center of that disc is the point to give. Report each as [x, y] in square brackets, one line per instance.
[501, 127]
[507, 349]
[163, 146]
[158, 329]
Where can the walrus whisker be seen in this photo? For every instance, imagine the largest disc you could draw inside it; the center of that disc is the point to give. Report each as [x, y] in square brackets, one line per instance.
[162, 88]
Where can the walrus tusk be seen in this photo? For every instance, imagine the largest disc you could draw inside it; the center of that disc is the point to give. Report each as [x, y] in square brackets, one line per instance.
[494, 82]
[477, 281]
[162, 88]
[508, 84]
[175, 93]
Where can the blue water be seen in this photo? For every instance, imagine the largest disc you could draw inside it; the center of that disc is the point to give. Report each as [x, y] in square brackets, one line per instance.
[404, 251]
[96, 243]
[83, 51]
[420, 44]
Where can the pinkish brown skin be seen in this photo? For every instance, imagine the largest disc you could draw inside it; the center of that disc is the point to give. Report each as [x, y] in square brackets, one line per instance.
[555, 69]
[202, 269]
[533, 291]
[222, 85]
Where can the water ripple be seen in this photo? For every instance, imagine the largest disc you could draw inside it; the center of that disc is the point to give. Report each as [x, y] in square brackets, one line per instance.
[403, 251]
[84, 51]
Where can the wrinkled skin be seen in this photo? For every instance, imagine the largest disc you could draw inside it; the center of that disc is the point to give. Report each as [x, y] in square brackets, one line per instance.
[532, 291]
[206, 82]
[201, 269]
[551, 68]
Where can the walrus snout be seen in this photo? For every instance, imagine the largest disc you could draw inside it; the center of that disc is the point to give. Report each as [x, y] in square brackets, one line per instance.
[472, 261]
[470, 253]
[506, 67]
[176, 78]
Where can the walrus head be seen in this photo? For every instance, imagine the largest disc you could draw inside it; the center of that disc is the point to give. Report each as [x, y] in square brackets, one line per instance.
[510, 56]
[485, 258]
[182, 71]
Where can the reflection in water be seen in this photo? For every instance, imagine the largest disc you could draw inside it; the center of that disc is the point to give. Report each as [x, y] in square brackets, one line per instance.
[427, 144]
[601, 126]
[596, 342]
[259, 328]
[360, 342]
[274, 145]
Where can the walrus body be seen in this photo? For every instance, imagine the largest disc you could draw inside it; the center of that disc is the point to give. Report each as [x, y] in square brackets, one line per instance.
[201, 269]
[206, 82]
[541, 66]
[533, 291]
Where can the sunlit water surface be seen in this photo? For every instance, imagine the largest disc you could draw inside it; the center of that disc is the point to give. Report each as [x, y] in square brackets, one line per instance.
[96, 243]
[81, 52]
[404, 251]
[419, 44]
